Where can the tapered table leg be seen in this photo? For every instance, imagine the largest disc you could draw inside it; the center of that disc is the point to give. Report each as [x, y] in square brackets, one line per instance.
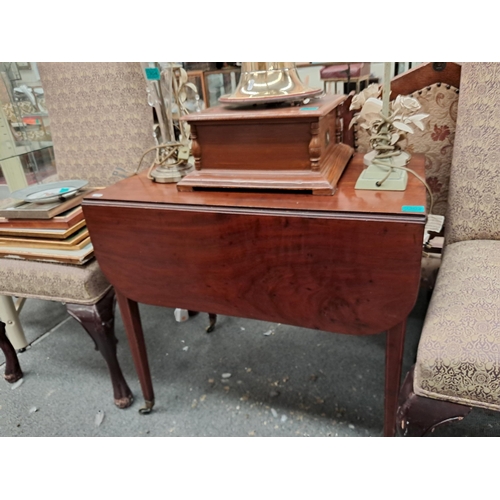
[395, 338]
[132, 321]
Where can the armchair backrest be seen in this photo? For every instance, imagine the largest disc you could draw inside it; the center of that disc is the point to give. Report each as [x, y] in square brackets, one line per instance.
[100, 119]
[474, 199]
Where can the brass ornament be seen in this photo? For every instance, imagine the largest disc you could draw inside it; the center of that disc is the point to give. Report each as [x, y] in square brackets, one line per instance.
[269, 82]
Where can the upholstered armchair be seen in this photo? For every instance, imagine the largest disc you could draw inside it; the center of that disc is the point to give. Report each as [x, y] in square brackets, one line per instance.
[458, 363]
[101, 125]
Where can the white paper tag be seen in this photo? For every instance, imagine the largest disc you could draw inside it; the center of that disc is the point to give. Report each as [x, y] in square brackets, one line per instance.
[434, 224]
[183, 153]
[181, 315]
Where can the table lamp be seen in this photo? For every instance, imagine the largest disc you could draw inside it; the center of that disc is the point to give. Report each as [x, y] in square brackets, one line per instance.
[166, 86]
[386, 163]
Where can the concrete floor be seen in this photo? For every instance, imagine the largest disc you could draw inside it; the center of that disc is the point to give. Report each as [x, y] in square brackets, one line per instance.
[247, 378]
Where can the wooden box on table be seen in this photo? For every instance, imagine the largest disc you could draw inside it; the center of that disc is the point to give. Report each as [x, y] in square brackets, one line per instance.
[295, 148]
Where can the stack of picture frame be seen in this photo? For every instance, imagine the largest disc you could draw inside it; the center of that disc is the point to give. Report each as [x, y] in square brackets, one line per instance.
[53, 232]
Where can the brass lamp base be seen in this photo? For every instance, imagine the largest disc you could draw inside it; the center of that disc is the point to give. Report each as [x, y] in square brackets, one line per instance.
[171, 174]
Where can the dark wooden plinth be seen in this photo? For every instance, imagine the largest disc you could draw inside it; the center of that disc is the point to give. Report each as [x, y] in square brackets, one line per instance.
[319, 183]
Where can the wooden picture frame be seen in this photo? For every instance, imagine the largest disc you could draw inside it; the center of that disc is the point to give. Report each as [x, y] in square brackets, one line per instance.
[78, 257]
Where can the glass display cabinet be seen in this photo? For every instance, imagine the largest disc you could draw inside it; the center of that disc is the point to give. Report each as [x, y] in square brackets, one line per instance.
[220, 82]
[26, 154]
[213, 82]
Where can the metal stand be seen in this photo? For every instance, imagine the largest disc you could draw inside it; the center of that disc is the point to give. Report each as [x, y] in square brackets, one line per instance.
[9, 314]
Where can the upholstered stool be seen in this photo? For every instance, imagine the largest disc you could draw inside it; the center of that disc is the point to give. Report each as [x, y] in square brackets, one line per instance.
[345, 73]
[63, 283]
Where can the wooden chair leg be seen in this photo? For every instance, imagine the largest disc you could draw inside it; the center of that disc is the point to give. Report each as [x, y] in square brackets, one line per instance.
[13, 370]
[212, 319]
[99, 320]
[418, 416]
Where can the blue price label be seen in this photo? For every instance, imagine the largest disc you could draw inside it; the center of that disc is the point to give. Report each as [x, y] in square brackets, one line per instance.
[310, 108]
[152, 73]
[413, 208]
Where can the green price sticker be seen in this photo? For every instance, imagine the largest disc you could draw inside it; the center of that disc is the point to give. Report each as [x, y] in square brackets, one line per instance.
[413, 208]
[152, 73]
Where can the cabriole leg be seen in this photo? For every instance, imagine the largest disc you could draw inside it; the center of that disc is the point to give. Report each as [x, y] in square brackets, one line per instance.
[99, 320]
[13, 370]
[418, 416]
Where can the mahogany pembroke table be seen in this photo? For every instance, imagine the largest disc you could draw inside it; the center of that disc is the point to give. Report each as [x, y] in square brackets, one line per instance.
[347, 263]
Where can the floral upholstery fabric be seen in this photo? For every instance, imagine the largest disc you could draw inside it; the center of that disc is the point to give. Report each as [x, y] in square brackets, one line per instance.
[435, 141]
[475, 180]
[458, 356]
[60, 282]
[100, 120]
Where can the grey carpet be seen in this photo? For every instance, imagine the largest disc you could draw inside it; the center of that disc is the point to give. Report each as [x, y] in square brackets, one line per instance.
[291, 382]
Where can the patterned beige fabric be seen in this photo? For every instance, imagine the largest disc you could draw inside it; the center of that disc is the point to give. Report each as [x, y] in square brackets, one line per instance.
[65, 283]
[459, 351]
[435, 141]
[475, 181]
[100, 121]
[458, 357]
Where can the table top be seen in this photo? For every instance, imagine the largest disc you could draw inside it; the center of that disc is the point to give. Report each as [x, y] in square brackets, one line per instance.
[353, 257]
[346, 201]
